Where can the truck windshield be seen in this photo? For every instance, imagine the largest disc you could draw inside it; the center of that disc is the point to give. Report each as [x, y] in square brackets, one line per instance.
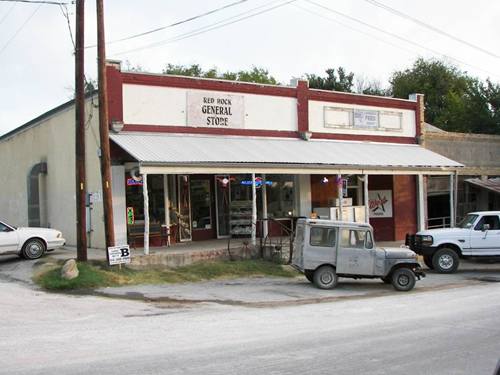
[467, 221]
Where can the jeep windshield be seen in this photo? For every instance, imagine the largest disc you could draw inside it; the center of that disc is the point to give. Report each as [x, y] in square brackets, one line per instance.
[467, 221]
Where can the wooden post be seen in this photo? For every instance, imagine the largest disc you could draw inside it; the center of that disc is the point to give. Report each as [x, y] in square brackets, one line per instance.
[104, 129]
[367, 200]
[146, 212]
[81, 186]
[254, 211]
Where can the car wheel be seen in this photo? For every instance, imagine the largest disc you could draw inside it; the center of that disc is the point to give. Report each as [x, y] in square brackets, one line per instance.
[33, 249]
[428, 261]
[403, 279]
[309, 275]
[445, 261]
[325, 277]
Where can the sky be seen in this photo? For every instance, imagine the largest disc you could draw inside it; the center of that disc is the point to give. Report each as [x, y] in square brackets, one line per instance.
[289, 38]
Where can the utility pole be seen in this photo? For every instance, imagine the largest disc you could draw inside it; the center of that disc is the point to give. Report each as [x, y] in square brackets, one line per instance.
[104, 129]
[81, 188]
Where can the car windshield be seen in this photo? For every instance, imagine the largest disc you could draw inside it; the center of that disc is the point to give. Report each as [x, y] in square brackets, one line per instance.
[467, 221]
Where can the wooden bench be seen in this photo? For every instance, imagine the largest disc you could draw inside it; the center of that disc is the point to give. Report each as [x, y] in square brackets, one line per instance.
[135, 232]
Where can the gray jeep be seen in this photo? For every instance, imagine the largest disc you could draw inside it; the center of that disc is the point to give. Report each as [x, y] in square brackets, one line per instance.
[326, 250]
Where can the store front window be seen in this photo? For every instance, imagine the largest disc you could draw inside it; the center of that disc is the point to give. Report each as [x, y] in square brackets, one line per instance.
[280, 191]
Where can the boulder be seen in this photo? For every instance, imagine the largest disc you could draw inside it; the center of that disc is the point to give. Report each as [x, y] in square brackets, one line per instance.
[69, 270]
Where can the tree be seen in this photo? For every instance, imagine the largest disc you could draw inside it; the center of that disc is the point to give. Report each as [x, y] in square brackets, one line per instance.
[255, 74]
[370, 87]
[335, 81]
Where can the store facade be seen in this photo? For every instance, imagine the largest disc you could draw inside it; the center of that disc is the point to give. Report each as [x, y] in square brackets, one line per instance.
[218, 157]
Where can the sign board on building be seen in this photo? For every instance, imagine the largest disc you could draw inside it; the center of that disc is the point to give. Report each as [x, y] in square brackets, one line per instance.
[365, 119]
[119, 255]
[213, 110]
[380, 203]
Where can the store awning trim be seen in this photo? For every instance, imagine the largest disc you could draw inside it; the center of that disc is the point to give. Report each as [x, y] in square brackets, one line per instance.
[492, 184]
[203, 150]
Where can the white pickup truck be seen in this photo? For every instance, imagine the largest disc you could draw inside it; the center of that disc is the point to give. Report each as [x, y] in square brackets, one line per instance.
[477, 235]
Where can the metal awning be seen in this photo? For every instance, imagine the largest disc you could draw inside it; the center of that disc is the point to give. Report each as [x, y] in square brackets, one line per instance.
[180, 153]
[492, 184]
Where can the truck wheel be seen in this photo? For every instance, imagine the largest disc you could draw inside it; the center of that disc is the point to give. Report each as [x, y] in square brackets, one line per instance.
[445, 261]
[325, 277]
[309, 275]
[428, 261]
[403, 279]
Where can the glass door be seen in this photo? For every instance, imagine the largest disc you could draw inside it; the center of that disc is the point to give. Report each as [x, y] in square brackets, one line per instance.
[201, 208]
[222, 204]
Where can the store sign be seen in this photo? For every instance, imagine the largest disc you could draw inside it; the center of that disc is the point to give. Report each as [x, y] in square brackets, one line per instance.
[258, 182]
[119, 255]
[365, 119]
[134, 182]
[130, 215]
[380, 203]
[212, 110]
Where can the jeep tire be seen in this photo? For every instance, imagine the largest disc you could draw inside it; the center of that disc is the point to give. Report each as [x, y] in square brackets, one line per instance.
[445, 260]
[325, 277]
[403, 279]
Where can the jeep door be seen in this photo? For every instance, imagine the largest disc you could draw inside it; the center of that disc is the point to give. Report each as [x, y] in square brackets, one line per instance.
[356, 253]
[320, 246]
[486, 241]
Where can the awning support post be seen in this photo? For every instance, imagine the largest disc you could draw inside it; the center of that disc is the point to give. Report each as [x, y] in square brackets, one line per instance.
[420, 203]
[340, 194]
[254, 211]
[146, 213]
[452, 201]
[367, 201]
[265, 227]
[167, 206]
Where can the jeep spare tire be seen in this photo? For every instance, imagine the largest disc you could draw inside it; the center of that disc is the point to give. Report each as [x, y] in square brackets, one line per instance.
[403, 279]
[325, 277]
[445, 260]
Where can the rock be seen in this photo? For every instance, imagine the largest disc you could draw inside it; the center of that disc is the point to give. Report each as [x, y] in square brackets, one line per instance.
[70, 270]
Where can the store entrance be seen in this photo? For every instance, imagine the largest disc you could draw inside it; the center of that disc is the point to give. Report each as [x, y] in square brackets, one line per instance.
[202, 208]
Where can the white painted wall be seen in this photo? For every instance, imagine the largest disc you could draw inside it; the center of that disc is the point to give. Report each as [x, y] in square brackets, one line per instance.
[316, 120]
[51, 140]
[151, 105]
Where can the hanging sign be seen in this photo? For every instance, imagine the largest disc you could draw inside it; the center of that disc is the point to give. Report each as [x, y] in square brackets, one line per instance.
[215, 110]
[130, 215]
[380, 203]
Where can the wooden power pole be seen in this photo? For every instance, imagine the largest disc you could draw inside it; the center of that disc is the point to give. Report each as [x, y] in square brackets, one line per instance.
[81, 188]
[104, 129]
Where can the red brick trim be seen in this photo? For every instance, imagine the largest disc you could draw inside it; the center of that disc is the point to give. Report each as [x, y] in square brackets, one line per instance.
[369, 138]
[207, 84]
[212, 131]
[303, 106]
[419, 114]
[115, 93]
[374, 101]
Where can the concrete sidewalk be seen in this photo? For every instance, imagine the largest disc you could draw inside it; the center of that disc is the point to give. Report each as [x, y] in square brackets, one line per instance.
[255, 291]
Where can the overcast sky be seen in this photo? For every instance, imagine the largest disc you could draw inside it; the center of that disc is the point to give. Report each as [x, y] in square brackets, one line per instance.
[37, 66]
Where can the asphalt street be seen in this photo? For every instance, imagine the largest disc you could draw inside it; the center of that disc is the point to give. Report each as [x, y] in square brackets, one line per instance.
[450, 331]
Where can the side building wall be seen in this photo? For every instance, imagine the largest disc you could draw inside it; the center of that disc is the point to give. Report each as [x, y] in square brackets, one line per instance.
[52, 140]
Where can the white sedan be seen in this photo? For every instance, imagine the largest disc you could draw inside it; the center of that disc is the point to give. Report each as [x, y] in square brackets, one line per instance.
[30, 243]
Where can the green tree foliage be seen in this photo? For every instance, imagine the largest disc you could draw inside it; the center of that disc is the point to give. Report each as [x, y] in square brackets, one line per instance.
[255, 74]
[454, 101]
[338, 80]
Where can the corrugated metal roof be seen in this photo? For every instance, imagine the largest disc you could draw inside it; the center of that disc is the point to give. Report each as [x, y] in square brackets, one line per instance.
[492, 184]
[154, 148]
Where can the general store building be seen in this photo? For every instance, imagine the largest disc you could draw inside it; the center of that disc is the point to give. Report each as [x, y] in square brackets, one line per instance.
[208, 158]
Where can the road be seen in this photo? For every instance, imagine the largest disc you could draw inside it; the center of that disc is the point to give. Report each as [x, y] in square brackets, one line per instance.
[453, 331]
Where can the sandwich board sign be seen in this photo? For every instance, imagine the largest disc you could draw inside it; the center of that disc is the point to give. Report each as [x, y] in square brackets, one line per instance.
[119, 255]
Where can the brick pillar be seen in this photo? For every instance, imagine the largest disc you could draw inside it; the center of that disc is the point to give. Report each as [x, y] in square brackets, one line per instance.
[405, 206]
[303, 106]
[115, 91]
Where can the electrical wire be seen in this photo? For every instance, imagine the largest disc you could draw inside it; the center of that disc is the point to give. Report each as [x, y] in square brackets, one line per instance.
[64, 10]
[7, 14]
[34, 2]
[430, 27]
[173, 24]
[216, 25]
[20, 29]
[435, 52]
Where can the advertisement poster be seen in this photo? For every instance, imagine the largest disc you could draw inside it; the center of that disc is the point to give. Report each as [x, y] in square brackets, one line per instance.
[380, 202]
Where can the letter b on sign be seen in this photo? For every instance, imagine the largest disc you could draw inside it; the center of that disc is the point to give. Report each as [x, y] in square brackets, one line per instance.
[125, 251]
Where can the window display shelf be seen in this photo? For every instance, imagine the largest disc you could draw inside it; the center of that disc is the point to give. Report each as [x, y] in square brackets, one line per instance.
[241, 218]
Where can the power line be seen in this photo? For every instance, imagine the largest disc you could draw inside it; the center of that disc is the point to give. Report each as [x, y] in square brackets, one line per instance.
[216, 25]
[397, 36]
[19, 30]
[173, 24]
[430, 27]
[7, 14]
[34, 2]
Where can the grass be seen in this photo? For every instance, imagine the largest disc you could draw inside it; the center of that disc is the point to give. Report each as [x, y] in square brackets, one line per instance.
[98, 274]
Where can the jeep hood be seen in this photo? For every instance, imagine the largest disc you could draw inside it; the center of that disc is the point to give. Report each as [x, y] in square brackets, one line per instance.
[399, 253]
